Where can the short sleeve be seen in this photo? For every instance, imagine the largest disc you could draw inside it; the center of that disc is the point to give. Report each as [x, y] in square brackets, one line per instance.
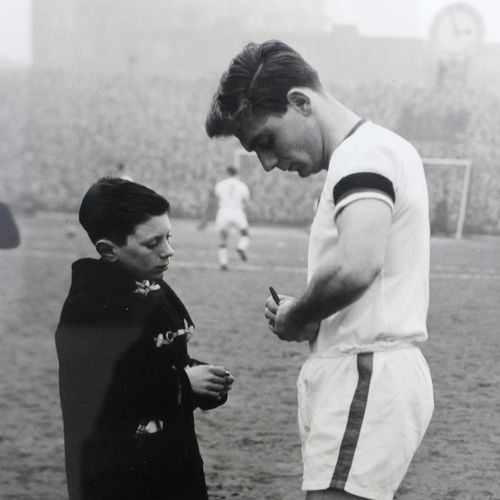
[366, 174]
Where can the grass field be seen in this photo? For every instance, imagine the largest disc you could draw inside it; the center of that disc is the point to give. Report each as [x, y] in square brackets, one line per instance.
[251, 445]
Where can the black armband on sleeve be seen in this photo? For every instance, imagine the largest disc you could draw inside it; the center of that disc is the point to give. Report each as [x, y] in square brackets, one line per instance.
[361, 181]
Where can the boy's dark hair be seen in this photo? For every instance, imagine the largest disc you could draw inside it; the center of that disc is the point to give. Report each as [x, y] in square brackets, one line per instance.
[112, 208]
[258, 80]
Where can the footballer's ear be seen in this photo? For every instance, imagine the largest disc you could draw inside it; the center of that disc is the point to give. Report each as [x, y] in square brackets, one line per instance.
[107, 249]
[299, 98]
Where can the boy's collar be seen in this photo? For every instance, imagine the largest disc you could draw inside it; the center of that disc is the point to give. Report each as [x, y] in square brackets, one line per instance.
[144, 287]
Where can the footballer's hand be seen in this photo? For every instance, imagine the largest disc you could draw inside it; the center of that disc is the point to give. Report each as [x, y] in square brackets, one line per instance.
[285, 326]
[272, 307]
[210, 380]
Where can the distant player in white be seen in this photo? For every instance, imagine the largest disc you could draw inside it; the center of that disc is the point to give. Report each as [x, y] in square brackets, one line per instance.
[365, 393]
[232, 195]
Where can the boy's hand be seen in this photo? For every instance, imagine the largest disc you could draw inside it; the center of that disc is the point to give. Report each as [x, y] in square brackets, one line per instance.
[210, 380]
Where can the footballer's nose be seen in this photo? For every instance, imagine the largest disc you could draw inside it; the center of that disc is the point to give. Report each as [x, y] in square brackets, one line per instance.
[268, 161]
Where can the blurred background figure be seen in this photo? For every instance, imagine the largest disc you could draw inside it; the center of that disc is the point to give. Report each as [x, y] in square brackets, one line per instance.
[231, 195]
[9, 233]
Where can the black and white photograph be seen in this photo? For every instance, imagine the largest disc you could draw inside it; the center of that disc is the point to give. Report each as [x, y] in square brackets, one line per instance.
[249, 249]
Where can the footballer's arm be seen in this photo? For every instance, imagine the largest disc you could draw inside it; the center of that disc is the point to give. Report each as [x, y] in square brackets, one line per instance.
[343, 275]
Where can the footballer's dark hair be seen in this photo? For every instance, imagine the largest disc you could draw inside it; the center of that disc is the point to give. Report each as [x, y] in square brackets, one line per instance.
[258, 81]
[112, 208]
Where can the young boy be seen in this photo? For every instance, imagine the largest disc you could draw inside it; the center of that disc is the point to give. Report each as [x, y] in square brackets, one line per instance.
[128, 387]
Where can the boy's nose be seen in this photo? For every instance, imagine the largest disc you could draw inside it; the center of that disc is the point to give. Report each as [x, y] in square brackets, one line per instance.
[166, 250]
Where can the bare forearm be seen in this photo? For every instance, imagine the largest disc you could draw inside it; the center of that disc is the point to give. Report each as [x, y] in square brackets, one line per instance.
[332, 288]
[342, 276]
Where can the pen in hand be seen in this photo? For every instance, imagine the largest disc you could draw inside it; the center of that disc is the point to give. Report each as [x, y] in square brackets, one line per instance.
[275, 295]
[276, 299]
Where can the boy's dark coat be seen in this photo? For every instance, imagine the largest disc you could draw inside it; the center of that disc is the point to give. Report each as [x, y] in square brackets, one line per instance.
[112, 377]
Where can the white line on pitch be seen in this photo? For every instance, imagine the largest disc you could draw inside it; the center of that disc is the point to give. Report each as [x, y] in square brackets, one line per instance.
[43, 254]
[462, 276]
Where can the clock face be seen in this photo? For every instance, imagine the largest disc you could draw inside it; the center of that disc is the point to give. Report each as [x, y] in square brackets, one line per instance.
[457, 31]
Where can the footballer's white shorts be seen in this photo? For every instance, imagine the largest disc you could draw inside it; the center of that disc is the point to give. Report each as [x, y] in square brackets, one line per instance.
[361, 419]
[230, 217]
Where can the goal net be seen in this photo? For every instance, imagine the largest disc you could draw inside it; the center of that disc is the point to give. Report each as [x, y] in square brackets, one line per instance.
[448, 181]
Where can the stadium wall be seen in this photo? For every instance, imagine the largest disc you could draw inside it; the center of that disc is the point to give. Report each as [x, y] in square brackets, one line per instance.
[197, 39]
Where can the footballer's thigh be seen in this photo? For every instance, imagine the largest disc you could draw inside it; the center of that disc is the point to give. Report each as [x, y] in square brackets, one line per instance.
[361, 419]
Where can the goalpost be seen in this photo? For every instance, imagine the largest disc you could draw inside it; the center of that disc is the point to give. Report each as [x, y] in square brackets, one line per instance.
[435, 163]
[446, 189]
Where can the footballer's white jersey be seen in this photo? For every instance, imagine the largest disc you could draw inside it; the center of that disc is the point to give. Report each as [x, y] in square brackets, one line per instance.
[377, 163]
[232, 193]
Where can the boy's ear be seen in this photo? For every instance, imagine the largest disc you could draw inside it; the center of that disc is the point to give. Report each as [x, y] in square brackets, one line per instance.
[106, 249]
[299, 98]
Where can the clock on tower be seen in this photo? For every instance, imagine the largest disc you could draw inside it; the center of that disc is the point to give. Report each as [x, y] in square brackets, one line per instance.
[457, 31]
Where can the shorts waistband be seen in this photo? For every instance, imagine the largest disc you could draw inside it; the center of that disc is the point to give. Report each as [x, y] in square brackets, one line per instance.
[342, 350]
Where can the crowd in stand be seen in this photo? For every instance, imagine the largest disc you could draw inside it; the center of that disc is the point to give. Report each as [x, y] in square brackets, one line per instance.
[63, 132]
